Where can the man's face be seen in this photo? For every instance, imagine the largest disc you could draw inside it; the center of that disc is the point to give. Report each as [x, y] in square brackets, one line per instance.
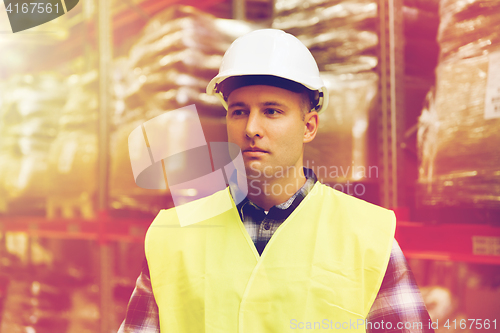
[267, 123]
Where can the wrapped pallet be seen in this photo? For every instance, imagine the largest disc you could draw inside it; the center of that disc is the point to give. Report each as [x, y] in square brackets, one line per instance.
[73, 155]
[169, 67]
[341, 34]
[30, 113]
[459, 130]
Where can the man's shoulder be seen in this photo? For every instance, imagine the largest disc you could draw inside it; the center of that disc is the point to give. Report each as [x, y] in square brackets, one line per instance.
[354, 213]
[203, 204]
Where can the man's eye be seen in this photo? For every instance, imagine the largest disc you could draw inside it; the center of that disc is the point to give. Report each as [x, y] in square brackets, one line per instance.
[238, 112]
[272, 111]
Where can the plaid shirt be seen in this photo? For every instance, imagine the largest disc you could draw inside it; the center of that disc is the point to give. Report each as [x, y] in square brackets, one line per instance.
[398, 307]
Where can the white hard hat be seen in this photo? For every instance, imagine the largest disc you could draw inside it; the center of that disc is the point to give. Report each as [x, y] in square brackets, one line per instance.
[274, 53]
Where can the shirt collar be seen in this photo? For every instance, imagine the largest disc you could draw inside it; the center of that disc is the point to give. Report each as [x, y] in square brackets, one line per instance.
[279, 211]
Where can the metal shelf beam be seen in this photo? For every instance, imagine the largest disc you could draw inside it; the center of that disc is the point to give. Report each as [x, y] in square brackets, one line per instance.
[103, 229]
[454, 242]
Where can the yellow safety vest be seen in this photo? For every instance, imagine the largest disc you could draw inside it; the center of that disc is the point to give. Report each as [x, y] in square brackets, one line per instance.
[321, 270]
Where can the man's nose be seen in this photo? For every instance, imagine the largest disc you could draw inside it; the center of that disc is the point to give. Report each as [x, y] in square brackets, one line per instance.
[254, 125]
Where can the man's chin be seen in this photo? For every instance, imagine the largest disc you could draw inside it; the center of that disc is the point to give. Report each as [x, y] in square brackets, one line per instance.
[255, 169]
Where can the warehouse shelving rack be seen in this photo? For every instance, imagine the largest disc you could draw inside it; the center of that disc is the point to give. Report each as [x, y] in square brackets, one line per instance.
[110, 30]
[470, 243]
[475, 243]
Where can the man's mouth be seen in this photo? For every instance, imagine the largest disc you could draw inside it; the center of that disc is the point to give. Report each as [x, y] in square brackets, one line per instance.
[254, 151]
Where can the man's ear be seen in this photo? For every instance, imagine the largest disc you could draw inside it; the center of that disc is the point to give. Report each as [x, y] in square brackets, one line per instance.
[311, 121]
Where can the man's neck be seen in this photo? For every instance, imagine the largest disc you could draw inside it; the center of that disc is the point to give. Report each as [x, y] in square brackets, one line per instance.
[269, 192]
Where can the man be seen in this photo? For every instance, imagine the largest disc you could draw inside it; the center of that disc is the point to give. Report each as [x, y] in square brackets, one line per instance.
[294, 254]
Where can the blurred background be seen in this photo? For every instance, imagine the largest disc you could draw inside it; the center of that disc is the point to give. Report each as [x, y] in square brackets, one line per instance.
[413, 125]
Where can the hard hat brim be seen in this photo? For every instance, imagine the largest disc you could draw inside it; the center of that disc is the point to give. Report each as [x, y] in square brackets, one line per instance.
[213, 84]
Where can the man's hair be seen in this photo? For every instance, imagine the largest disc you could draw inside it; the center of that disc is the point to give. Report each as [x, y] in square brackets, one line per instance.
[309, 98]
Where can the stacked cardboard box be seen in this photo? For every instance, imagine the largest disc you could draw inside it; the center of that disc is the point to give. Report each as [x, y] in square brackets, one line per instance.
[341, 34]
[459, 130]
